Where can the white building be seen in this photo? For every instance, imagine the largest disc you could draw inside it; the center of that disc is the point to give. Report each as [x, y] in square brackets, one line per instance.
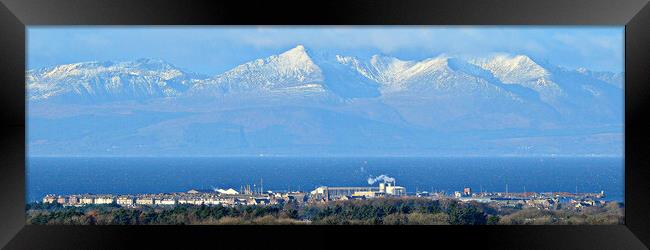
[125, 201]
[390, 189]
[86, 200]
[191, 201]
[73, 200]
[165, 201]
[259, 201]
[49, 198]
[213, 201]
[144, 201]
[334, 193]
[104, 200]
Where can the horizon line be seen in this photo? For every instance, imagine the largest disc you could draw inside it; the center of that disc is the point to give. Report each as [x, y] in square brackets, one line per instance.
[330, 156]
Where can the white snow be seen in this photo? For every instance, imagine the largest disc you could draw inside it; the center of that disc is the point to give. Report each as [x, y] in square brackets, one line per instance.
[522, 70]
[145, 77]
[293, 69]
[295, 72]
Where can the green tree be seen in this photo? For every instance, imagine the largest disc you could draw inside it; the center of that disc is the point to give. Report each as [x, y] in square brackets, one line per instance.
[493, 220]
[466, 215]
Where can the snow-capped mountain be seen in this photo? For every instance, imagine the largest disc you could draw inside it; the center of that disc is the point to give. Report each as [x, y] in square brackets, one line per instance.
[309, 101]
[514, 84]
[571, 92]
[437, 75]
[299, 71]
[522, 70]
[290, 71]
[387, 71]
[550, 81]
[108, 81]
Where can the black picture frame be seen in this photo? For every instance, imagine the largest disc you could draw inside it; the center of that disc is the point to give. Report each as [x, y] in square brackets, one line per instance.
[15, 15]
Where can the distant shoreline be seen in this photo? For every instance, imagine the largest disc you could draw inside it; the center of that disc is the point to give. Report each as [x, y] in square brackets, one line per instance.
[116, 175]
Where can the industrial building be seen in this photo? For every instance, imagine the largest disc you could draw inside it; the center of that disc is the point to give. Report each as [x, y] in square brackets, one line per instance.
[337, 193]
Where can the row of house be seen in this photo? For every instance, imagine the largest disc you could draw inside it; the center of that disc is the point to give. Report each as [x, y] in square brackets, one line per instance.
[79, 199]
[191, 197]
[581, 203]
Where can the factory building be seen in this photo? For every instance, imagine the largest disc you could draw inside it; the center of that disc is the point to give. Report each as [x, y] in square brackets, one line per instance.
[333, 193]
[390, 189]
[336, 193]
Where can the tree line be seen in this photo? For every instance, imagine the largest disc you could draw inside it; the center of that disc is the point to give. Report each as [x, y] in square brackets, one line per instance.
[385, 211]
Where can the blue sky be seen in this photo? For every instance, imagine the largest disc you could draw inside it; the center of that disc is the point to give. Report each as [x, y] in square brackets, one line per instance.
[215, 49]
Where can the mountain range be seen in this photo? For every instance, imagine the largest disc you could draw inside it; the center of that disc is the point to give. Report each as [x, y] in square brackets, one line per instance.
[303, 102]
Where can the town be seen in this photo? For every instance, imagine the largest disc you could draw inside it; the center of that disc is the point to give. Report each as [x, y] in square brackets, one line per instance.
[258, 196]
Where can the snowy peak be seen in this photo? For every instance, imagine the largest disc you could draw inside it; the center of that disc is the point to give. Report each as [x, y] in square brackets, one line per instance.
[524, 71]
[396, 75]
[427, 66]
[151, 64]
[291, 70]
[384, 69]
[107, 81]
[140, 66]
[383, 63]
[296, 62]
[67, 70]
[297, 54]
[513, 69]
[302, 72]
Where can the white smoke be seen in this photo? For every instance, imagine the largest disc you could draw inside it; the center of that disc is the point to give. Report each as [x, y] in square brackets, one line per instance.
[382, 177]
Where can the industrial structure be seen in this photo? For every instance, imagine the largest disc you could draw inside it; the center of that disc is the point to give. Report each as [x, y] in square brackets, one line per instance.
[337, 193]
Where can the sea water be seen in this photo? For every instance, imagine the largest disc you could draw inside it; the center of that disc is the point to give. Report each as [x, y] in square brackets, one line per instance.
[105, 175]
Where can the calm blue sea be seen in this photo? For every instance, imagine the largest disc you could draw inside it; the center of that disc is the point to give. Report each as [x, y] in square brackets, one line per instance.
[155, 175]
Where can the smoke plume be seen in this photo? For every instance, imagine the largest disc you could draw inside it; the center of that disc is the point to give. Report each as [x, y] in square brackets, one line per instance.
[382, 177]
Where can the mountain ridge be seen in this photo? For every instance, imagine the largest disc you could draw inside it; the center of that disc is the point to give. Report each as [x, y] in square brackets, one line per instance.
[294, 69]
[311, 102]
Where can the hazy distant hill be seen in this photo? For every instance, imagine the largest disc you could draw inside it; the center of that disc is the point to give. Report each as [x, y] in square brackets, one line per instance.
[304, 102]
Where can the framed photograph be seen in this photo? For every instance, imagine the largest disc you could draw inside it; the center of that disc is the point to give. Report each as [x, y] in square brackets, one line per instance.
[505, 123]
